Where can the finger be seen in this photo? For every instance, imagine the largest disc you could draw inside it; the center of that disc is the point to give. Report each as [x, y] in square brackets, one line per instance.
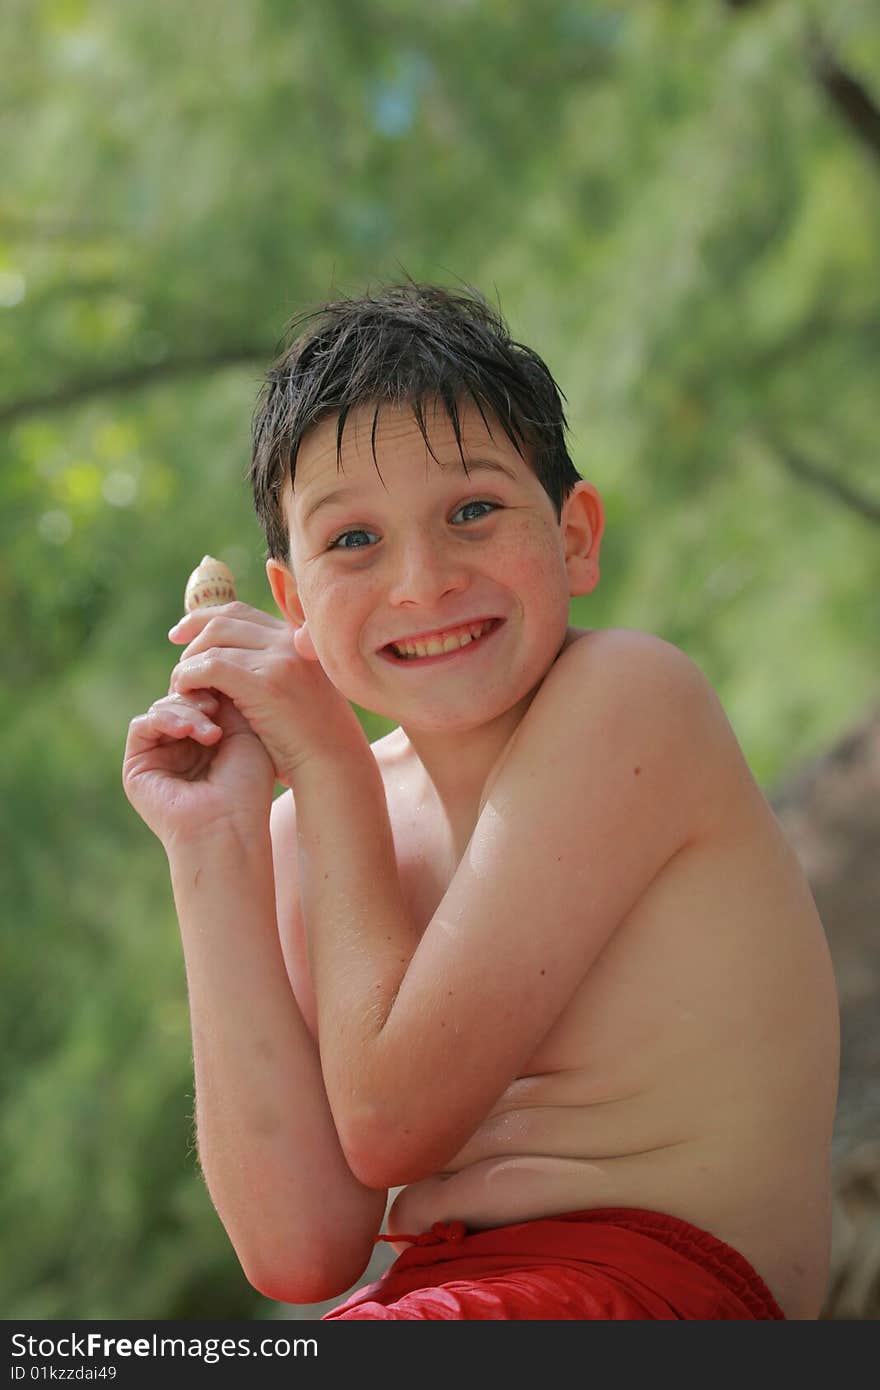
[302, 640]
[193, 623]
[233, 632]
[223, 669]
[186, 724]
[205, 700]
[178, 718]
[195, 726]
[142, 735]
[152, 731]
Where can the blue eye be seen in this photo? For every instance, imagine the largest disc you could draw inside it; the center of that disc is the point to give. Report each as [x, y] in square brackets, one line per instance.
[337, 544]
[477, 503]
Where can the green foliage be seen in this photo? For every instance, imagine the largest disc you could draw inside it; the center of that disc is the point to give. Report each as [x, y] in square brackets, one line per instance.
[669, 209]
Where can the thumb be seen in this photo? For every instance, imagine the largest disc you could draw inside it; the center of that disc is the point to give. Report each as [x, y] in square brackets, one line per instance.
[302, 640]
[229, 717]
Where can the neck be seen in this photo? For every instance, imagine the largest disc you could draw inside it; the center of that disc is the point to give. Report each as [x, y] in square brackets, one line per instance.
[456, 766]
[453, 768]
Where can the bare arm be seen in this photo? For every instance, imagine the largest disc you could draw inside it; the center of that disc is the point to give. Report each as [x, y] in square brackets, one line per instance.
[301, 1224]
[613, 762]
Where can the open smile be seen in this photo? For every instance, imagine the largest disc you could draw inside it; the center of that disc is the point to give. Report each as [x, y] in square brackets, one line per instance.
[459, 642]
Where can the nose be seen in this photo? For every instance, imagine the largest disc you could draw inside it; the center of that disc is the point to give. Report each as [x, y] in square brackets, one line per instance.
[424, 569]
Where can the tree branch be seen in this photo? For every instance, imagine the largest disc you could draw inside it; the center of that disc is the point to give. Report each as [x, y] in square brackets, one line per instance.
[850, 98]
[797, 463]
[133, 378]
[818, 328]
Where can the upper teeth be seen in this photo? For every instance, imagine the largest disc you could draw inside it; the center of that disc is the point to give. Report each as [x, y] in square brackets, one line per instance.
[444, 642]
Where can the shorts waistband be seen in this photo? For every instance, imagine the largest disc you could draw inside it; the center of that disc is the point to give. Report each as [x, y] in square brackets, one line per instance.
[690, 1241]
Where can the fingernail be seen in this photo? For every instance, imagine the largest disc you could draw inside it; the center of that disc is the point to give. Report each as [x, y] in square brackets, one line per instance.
[173, 630]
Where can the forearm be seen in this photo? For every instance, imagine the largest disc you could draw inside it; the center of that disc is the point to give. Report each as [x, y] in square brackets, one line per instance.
[267, 1142]
[359, 933]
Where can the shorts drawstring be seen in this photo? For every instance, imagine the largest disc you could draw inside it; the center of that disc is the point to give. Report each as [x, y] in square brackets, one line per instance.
[453, 1231]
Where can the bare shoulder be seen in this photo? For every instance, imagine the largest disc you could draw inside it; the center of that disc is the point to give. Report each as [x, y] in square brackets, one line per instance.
[282, 829]
[624, 658]
[390, 750]
[640, 707]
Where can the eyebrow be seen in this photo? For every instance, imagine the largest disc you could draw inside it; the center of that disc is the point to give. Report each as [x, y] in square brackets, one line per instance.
[340, 494]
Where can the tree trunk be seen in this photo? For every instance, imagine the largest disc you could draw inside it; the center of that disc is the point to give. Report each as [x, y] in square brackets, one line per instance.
[830, 811]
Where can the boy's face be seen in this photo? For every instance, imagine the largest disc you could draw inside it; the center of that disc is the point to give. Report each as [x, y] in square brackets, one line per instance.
[430, 551]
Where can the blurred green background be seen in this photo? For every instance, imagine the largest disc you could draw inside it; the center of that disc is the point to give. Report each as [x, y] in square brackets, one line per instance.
[677, 205]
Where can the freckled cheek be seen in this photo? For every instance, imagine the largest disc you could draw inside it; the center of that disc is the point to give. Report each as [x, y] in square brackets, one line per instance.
[533, 561]
[325, 600]
[335, 621]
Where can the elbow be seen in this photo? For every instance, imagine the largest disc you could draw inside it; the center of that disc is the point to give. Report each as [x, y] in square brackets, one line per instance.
[296, 1266]
[367, 1164]
[283, 1288]
[313, 1283]
[389, 1158]
[385, 1147]
[363, 1138]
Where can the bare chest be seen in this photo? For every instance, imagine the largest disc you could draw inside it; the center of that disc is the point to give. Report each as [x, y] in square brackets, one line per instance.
[653, 1089]
[677, 979]
[426, 864]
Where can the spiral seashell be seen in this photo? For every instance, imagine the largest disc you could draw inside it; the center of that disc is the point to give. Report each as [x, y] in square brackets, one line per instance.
[209, 585]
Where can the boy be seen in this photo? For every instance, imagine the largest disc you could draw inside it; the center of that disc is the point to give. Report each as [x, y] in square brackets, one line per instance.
[541, 957]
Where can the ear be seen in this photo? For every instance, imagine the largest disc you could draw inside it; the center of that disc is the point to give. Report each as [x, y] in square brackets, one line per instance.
[582, 524]
[286, 596]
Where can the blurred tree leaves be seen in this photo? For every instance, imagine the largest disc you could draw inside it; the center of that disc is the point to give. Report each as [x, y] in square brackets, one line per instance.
[669, 208]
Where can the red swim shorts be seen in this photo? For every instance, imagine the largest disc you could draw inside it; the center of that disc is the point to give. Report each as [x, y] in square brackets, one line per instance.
[608, 1265]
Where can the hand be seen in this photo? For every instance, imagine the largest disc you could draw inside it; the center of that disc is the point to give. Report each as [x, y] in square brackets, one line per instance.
[193, 766]
[284, 694]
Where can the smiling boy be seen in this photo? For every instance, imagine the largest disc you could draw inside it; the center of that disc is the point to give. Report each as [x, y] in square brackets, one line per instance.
[540, 957]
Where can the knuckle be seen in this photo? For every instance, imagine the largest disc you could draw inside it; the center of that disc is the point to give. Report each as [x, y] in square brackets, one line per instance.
[165, 703]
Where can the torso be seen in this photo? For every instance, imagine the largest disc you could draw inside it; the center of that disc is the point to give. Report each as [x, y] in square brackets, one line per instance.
[653, 1089]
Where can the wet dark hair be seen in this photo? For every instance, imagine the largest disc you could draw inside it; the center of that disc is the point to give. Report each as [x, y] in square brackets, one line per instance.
[406, 344]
